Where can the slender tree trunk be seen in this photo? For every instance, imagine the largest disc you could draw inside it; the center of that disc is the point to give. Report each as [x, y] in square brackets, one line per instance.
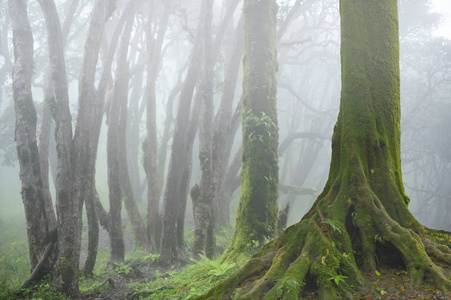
[223, 132]
[151, 163]
[116, 192]
[122, 80]
[87, 131]
[177, 177]
[25, 132]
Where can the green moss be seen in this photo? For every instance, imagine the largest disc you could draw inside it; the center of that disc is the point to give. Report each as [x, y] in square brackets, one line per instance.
[257, 213]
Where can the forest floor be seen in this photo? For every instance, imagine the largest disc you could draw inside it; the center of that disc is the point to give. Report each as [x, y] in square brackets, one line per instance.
[143, 278]
[387, 284]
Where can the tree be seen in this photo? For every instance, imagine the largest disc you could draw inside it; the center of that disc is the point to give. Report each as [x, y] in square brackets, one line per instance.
[25, 133]
[361, 218]
[203, 209]
[257, 212]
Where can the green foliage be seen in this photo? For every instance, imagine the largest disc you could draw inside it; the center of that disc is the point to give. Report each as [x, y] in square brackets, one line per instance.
[14, 257]
[213, 267]
[193, 281]
[43, 291]
[337, 279]
[92, 285]
[121, 268]
[334, 225]
[253, 123]
[381, 291]
[142, 255]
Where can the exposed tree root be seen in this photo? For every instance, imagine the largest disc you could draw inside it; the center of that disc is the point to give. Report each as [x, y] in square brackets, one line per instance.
[43, 267]
[342, 236]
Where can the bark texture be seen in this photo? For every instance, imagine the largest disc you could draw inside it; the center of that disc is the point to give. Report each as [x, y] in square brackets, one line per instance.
[25, 132]
[65, 275]
[257, 212]
[361, 219]
[203, 209]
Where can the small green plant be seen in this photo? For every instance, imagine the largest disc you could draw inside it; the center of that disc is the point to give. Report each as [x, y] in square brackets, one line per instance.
[378, 238]
[338, 279]
[121, 268]
[333, 224]
[214, 267]
[381, 291]
[253, 243]
[252, 121]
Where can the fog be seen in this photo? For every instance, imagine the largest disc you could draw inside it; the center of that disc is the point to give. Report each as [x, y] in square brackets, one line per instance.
[308, 99]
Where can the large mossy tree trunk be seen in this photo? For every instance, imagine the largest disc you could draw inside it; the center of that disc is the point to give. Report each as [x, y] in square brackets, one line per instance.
[257, 212]
[204, 239]
[361, 218]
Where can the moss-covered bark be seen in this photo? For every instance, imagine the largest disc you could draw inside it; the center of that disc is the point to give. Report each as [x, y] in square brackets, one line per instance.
[257, 212]
[361, 219]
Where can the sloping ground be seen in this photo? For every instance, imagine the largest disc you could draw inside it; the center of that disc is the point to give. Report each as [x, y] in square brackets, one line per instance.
[386, 284]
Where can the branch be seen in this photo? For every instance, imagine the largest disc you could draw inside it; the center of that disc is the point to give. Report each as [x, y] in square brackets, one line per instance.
[297, 190]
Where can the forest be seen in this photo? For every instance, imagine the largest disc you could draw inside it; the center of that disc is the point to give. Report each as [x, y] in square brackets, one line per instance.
[233, 149]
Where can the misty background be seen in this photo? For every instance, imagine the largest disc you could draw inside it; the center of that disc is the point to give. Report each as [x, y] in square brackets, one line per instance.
[309, 93]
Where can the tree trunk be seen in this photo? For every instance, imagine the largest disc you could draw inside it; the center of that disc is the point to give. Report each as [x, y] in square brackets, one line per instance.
[116, 192]
[87, 131]
[360, 220]
[257, 212]
[25, 132]
[203, 210]
[173, 204]
[122, 80]
[151, 165]
[44, 141]
[223, 132]
[67, 204]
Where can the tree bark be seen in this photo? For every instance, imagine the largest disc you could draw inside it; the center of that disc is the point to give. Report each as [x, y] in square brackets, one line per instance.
[67, 204]
[257, 212]
[203, 210]
[25, 132]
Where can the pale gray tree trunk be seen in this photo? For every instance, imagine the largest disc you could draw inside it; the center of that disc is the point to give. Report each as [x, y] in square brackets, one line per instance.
[116, 191]
[173, 206]
[25, 132]
[151, 163]
[67, 204]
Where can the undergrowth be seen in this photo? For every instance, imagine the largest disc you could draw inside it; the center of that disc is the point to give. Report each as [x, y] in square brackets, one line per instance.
[194, 280]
